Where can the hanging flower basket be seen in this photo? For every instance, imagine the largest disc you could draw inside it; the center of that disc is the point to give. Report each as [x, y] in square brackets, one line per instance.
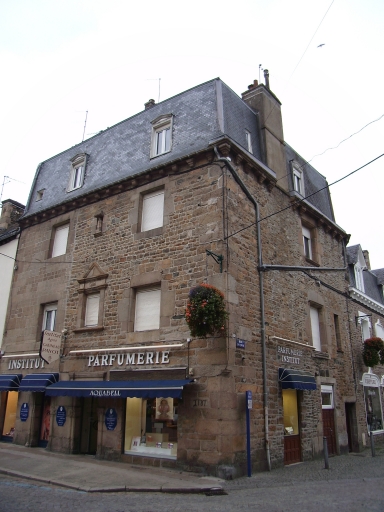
[373, 352]
[205, 313]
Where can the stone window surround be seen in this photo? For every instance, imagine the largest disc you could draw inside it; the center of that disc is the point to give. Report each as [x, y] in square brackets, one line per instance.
[94, 281]
[45, 300]
[136, 213]
[161, 122]
[59, 222]
[167, 306]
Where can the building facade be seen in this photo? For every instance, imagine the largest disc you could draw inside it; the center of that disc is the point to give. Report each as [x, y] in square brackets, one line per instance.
[198, 189]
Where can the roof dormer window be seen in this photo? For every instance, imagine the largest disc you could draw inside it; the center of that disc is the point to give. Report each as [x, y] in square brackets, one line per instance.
[161, 135]
[76, 178]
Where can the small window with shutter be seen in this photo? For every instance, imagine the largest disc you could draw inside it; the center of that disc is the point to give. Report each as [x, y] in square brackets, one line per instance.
[92, 310]
[147, 311]
[152, 210]
[60, 240]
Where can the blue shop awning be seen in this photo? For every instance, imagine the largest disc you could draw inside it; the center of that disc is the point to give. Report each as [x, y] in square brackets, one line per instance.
[119, 389]
[10, 382]
[38, 382]
[296, 379]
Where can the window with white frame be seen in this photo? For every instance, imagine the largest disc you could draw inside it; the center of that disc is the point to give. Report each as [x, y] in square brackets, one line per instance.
[147, 309]
[248, 140]
[92, 310]
[76, 178]
[359, 278]
[327, 397]
[379, 330]
[60, 240]
[298, 181]
[365, 325]
[315, 327]
[152, 210]
[49, 317]
[161, 135]
[307, 242]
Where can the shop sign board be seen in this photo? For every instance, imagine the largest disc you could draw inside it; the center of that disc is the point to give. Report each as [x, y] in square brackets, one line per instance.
[111, 419]
[61, 416]
[24, 411]
[371, 380]
[129, 359]
[289, 355]
[50, 346]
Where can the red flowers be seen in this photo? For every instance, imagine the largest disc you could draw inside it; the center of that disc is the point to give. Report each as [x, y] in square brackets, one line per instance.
[205, 313]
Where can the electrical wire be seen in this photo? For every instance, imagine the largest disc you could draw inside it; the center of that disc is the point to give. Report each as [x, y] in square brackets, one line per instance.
[306, 197]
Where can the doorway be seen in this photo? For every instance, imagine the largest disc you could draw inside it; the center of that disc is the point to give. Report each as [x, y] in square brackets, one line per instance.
[9, 425]
[350, 415]
[328, 416]
[292, 441]
[89, 427]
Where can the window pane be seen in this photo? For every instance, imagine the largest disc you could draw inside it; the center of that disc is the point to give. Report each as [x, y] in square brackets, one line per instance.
[290, 411]
[167, 139]
[159, 142]
[60, 242]
[373, 408]
[49, 318]
[147, 314]
[92, 310]
[153, 210]
[77, 176]
[315, 326]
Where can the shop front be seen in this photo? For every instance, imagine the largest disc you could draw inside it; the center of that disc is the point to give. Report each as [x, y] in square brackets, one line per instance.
[134, 418]
[293, 383]
[9, 385]
[372, 400]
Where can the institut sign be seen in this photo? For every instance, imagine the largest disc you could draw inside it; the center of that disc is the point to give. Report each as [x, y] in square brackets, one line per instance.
[289, 355]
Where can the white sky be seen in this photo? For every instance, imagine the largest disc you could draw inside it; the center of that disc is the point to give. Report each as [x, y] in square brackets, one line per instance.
[61, 58]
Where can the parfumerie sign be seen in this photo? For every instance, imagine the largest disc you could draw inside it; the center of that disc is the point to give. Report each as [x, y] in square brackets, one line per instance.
[131, 359]
[289, 355]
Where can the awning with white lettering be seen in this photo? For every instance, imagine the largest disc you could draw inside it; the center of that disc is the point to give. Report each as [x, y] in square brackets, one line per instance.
[296, 379]
[119, 389]
[38, 382]
[10, 382]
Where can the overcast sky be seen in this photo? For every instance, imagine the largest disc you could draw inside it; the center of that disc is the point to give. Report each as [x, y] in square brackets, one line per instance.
[62, 58]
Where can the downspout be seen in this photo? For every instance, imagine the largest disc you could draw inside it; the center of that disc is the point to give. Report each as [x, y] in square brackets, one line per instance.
[260, 269]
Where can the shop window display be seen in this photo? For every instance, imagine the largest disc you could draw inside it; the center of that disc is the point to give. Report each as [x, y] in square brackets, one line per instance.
[151, 427]
[373, 408]
[10, 416]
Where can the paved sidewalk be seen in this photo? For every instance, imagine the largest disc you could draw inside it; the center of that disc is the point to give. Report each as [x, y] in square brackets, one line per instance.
[85, 473]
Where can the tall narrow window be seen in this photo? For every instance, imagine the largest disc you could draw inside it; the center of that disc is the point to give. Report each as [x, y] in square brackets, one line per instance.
[60, 240]
[307, 242]
[76, 177]
[49, 317]
[337, 331]
[359, 277]
[365, 326]
[147, 312]
[248, 140]
[298, 183]
[92, 310]
[161, 135]
[153, 210]
[315, 327]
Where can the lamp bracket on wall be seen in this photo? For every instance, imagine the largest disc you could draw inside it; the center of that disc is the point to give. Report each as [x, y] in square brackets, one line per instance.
[217, 257]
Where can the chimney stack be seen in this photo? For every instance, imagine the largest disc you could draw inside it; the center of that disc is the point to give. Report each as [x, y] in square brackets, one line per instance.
[266, 78]
[149, 104]
[10, 214]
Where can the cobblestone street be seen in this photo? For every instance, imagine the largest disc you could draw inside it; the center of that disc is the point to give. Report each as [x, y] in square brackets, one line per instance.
[353, 483]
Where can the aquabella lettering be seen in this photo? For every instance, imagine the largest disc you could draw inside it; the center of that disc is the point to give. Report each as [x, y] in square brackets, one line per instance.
[105, 392]
[130, 359]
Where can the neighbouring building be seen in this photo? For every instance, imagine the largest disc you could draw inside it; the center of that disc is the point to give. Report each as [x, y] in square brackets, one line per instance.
[200, 188]
[366, 317]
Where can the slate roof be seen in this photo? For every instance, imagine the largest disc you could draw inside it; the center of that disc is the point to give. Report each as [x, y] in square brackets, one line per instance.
[373, 279]
[8, 235]
[313, 181]
[200, 115]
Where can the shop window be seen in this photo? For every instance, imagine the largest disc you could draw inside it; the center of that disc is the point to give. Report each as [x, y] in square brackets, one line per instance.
[152, 210]
[147, 309]
[60, 238]
[290, 412]
[10, 416]
[373, 408]
[151, 427]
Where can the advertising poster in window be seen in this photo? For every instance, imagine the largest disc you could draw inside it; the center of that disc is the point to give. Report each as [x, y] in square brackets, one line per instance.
[373, 408]
[45, 421]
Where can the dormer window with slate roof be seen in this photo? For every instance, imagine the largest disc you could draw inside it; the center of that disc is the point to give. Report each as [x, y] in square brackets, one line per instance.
[161, 141]
[298, 180]
[76, 178]
[358, 269]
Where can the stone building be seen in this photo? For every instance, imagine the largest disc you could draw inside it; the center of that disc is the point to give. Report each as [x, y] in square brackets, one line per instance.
[200, 188]
[366, 317]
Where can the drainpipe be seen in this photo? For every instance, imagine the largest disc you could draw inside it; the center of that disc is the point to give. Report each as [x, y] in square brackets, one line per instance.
[260, 269]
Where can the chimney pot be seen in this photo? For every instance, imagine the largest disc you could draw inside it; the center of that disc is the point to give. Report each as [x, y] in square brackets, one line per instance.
[266, 78]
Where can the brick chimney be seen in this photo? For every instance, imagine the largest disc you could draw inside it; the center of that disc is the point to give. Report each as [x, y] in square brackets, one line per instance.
[366, 257]
[10, 214]
[149, 104]
[262, 99]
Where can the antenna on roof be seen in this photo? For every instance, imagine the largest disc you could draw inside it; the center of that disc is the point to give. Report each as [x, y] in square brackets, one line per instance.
[159, 79]
[85, 124]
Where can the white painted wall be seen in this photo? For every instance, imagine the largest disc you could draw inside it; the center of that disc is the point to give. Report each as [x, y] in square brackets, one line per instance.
[6, 273]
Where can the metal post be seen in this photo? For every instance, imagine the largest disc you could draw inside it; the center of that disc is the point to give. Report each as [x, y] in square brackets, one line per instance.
[248, 406]
[373, 445]
[325, 450]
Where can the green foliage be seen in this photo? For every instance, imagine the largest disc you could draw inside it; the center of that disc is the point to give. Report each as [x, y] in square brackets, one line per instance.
[205, 313]
[373, 352]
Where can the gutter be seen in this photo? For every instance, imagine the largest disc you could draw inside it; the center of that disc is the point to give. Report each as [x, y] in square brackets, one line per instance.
[261, 269]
